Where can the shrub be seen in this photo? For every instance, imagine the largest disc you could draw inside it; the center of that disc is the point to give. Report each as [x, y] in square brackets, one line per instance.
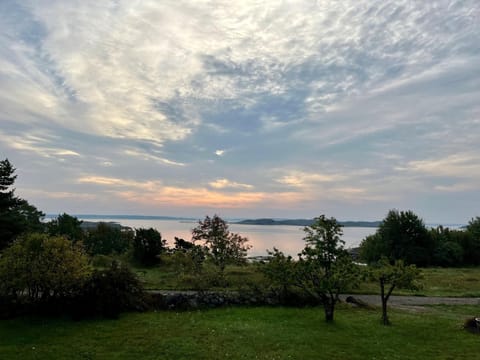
[40, 267]
[109, 292]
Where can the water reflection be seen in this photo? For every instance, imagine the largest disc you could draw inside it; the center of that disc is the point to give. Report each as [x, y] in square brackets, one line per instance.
[288, 239]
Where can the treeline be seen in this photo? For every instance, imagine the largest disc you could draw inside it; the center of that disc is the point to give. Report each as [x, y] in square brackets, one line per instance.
[60, 266]
[403, 235]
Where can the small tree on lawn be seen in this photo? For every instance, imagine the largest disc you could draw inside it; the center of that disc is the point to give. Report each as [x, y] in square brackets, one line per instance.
[279, 271]
[224, 247]
[390, 276]
[325, 268]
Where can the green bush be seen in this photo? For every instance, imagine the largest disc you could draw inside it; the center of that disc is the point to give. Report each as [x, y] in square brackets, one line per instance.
[108, 292]
[39, 268]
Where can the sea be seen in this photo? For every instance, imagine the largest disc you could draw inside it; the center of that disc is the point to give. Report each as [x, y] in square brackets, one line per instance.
[288, 239]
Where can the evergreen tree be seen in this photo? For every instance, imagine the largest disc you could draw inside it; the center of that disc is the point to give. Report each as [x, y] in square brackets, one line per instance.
[16, 215]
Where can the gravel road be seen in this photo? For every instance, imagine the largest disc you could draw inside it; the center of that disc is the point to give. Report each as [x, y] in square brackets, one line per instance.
[416, 300]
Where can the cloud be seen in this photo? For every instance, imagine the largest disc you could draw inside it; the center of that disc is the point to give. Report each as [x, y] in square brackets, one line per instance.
[118, 182]
[455, 165]
[147, 156]
[301, 179]
[225, 184]
[364, 102]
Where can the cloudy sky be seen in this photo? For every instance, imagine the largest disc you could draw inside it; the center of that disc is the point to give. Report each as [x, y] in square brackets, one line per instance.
[244, 108]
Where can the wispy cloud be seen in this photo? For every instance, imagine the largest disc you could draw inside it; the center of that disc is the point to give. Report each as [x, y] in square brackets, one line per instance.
[225, 184]
[300, 178]
[358, 102]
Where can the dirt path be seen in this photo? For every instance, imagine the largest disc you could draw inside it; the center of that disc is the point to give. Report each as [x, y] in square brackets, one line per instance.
[394, 300]
[416, 300]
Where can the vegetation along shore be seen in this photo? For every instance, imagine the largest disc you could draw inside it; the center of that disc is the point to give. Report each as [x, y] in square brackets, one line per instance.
[62, 283]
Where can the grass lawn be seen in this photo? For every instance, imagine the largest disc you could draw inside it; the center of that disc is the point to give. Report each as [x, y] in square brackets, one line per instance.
[246, 333]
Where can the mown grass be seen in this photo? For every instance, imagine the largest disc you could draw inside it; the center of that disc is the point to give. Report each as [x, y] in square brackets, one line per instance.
[246, 333]
[459, 282]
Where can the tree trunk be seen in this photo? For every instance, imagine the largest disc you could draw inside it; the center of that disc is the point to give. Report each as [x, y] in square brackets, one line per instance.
[329, 307]
[385, 320]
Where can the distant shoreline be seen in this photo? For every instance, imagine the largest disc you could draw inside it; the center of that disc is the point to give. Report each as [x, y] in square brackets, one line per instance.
[239, 221]
[306, 222]
[261, 221]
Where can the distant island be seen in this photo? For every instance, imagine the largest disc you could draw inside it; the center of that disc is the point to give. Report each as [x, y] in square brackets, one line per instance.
[261, 221]
[125, 217]
[306, 222]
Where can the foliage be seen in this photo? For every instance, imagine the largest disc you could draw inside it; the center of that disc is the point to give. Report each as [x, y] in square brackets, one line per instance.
[372, 248]
[224, 247]
[107, 239]
[148, 245]
[66, 225]
[390, 276]
[448, 249]
[471, 242]
[17, 216]
[279, 271]
[42, 268]
[183, 245]
[189, 258]
[401, 235]
[324, 267]
[280, 287]
[108, 292]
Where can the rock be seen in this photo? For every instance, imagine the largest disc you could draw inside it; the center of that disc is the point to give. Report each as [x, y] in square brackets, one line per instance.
[472, 325]
[357, 302]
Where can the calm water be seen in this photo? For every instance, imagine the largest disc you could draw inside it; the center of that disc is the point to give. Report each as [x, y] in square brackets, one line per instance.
[288, 239]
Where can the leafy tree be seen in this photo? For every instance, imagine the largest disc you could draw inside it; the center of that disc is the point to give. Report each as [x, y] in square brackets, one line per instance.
[401, 235]
[473, 227]
[471, 242]
[16, 215]
[42, 267]
[372, 248]
[325, 268]
[107, 239]
[183, 245]
[391, 276]
[279, 270]
[147, 246]
[448, 250]
[66, 225]
[190, 255]
[224, 247]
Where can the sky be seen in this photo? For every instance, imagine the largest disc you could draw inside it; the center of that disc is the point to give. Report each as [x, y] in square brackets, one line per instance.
[247, 109]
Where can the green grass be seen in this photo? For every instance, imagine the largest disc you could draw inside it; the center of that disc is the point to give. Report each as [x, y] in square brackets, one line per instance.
[169, 278]
[245, 333]
[451, 282]
[455, 282]
[460, 282]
